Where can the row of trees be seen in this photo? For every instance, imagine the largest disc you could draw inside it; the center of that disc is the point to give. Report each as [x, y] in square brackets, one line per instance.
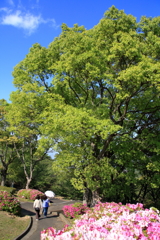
[93, 97]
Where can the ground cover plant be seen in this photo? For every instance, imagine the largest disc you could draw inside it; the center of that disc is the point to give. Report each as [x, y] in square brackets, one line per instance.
[12, 226]
[29, 194]
[111, 221]
[9, 203]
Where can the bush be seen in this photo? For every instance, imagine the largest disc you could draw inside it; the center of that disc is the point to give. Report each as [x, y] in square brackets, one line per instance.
[29, 193]
[74, 210]
[9, 203]
[8, 189]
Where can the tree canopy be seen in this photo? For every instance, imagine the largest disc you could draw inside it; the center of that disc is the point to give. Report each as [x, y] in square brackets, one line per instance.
[96, 95]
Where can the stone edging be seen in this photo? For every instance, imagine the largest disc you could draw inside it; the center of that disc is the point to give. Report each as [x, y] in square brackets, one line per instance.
[64, 219]
[26, 231]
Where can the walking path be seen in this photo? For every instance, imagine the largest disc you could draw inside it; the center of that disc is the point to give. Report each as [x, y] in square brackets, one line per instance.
[54, 219]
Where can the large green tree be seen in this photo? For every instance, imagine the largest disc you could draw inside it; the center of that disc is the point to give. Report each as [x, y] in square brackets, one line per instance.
[99, 91]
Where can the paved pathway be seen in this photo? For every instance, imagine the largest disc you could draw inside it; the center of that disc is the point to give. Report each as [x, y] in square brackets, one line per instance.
[53, 219]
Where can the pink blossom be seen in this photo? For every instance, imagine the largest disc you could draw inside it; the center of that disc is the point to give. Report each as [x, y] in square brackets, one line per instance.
[111, 221]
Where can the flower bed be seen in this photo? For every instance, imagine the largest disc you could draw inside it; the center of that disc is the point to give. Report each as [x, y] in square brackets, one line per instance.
[29, 193]
[111, 221]
[9, 203]
[74, 210]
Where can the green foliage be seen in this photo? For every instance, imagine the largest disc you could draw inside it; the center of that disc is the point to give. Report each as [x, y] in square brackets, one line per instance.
[16, 175]
[62, 185]
[25, 128]
[7, 141]
[93, 97]
[43, 176]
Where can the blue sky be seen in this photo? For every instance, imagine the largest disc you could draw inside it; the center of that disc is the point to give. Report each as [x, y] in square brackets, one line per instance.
[25, 22]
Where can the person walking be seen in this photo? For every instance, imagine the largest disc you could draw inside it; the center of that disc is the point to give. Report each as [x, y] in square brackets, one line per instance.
[42, 198]
[37, 205]
[45, 205]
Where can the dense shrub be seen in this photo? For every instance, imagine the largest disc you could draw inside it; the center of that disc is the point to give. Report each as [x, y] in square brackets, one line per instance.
[74, 210]
[29, 193]
[9, 203]
[8, 189]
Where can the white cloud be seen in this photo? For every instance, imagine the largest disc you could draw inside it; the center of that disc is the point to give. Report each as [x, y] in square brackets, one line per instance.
[26, 21]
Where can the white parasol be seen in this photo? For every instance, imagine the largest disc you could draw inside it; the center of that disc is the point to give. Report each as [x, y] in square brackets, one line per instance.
[50, 194]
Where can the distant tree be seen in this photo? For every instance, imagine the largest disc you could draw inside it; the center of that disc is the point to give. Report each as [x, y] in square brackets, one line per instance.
[43, 176]
[16, 177]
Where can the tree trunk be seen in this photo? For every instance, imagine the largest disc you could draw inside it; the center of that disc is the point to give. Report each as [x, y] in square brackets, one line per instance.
[87, 197]
[91, 198]
[95, 197]
[3, 182]
[3, 177]
[28, 182]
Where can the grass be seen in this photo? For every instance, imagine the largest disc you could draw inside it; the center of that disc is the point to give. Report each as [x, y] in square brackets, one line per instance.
[24, 199]
[12, 226]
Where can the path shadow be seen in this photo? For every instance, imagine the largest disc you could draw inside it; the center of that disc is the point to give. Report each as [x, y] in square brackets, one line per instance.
[57, 211]
[26, 212]
[49, 216]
